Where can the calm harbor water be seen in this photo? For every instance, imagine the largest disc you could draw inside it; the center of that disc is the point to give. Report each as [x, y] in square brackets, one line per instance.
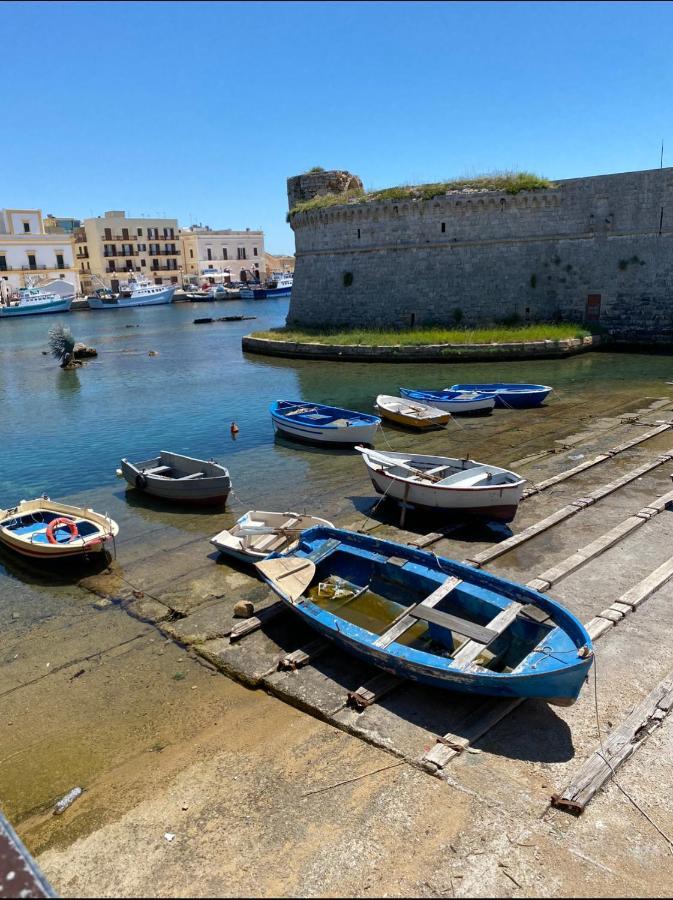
[65, 432]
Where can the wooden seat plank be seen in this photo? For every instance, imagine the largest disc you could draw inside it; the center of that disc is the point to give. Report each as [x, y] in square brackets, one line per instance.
[405, 621]
[468, 629]
[471, 650]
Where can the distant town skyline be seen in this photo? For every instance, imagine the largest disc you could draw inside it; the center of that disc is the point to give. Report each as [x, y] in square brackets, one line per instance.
[201, 111]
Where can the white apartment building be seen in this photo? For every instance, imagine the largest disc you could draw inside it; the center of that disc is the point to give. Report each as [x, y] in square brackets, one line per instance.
[28, 252]
[112, 245]
[235, 255]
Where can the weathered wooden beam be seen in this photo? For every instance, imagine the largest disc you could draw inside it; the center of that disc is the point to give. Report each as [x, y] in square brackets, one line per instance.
[405, 621]
[617, 748]
[247, 626]
[373, 690]
[302, 657]
[589, 463]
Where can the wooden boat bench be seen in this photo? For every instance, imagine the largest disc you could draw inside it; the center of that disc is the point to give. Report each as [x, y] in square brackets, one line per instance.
[191, 477]
[468, 629]
[271, 542]
[157, 470]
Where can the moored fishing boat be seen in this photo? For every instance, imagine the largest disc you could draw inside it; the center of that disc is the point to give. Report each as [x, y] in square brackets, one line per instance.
[31, 301]
[184, 479]
[320, 424]
[409, 412]
[258, 534]
[135, 292]
[43, 529]
[439, 483]
[431, 619]
[455, 402]
[511, 396]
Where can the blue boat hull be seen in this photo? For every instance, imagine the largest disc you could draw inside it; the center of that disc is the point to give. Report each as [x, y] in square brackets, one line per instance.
[36, 309]
[549, 661]
[327, 426]
[511, 396]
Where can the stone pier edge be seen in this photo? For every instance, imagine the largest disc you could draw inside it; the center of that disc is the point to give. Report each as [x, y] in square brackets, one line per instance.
[423, 353]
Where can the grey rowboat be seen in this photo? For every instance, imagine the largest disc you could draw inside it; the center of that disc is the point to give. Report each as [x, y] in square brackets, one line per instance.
[183, 479]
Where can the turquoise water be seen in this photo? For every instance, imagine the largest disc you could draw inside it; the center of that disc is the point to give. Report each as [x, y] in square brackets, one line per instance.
[65, 432]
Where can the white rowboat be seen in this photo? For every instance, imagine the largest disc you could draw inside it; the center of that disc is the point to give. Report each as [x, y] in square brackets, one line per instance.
[442, 483]
[410, 412]
[259, 533]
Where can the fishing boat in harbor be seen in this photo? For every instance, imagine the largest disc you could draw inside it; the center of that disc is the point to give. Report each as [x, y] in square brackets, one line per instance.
[439, 483]
[510, 396]
[135, 292]
[411, 413]
[45, 530]
[184, 479]
[279, 285]
[455, 402]
[432, 620]
[32, 301]
[320, 424]
[258, 534]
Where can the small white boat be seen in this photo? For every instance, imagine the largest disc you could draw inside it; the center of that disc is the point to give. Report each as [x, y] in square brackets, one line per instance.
[319, 424]
[135, 292]
[184, 479]
[410, 412]
[259, 533]
[443, 483]
[31, 301]
[44, 530]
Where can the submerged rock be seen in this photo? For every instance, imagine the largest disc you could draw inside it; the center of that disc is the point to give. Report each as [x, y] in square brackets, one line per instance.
[81, 351]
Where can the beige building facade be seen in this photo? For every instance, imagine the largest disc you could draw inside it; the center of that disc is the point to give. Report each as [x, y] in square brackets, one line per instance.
[224, 254]
[29, 254]
[111, 246]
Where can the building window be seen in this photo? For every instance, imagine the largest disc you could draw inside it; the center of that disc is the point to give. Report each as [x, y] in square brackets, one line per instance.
[140, 232]
[108, 234]
[225, 255]
[60, 264]
[158, 281]
[240, 254]
[129, 264]
[443, 227]
[3, 263]
[31, 261]
[125, 234]
[142, 248]
[209, 253]
[358, 234]
[112, 266]
[142, 262]
[191, 253]
[174, 279]
[26, 227]
[254, 251]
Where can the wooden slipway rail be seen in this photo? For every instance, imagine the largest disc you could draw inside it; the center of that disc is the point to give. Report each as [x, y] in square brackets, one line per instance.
[489, 714]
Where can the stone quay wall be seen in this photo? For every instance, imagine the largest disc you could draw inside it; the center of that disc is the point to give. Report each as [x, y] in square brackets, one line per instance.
[596, 249]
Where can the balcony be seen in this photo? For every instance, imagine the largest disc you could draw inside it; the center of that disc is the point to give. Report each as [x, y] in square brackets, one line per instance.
[175, 252]
[120, 255]
[165, 268]
[118, 238]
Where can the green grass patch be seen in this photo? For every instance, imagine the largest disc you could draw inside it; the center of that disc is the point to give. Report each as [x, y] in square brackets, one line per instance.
[509, 182]
[412, 337]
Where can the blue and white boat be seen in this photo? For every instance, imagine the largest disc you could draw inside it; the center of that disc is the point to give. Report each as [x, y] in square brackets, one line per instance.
[432, 620]
[511, 396]
[135, 292]
[32, 301]
[279, 285]
[323, 424]
[455, 402]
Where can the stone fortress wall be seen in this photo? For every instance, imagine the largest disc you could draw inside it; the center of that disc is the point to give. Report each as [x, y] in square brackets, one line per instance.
[596, 249]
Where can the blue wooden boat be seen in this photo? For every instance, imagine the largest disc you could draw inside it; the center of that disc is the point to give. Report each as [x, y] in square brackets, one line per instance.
[511, 396]
[455, 402]
[323, 424]
[431, 619]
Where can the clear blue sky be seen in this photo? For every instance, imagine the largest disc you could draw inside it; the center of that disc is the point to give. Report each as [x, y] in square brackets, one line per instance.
[200, 111]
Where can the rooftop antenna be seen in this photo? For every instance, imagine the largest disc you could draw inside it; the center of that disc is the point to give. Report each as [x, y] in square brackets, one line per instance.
[661, 161]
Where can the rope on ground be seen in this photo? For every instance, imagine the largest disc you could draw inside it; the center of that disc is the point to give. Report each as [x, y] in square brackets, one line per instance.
[614, 775]
[357, 778]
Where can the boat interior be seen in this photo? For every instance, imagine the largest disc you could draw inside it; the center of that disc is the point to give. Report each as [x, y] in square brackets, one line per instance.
[178, 468]
[315, 416]
[373, 592]
[33, 526]
[447, 476]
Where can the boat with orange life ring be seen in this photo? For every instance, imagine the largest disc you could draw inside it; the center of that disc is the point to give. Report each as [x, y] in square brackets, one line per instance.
[43, 529]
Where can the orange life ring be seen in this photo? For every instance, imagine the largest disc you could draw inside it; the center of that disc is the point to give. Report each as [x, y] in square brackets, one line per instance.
[53, 525]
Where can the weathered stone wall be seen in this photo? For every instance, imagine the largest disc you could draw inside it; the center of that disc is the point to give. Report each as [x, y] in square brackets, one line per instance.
[312, 184]
[490, 255]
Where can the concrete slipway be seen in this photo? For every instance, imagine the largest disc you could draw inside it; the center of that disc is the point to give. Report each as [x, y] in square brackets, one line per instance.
[389, 789]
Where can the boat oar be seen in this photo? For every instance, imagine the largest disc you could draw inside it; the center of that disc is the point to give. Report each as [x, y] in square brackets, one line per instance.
[389, 461]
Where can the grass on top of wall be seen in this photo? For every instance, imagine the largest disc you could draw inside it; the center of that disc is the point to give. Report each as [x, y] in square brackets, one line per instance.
[411, 337]
[509, 182]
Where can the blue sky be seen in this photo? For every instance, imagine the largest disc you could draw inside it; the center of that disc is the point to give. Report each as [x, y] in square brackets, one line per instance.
[200, 111]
